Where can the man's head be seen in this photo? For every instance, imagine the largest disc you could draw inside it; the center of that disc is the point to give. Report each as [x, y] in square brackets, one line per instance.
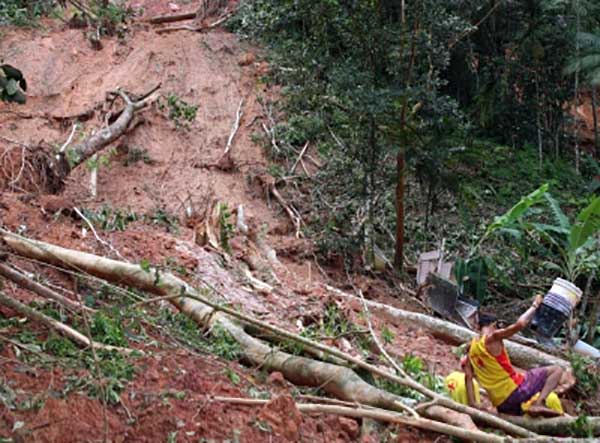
[488, 321]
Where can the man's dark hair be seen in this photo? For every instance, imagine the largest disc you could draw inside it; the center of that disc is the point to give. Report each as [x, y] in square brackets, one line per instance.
[486, 319]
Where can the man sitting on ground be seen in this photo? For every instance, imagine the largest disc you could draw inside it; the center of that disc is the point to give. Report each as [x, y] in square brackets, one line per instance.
[508, 390]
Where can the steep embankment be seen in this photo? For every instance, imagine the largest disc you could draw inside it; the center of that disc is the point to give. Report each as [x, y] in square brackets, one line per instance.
[155, 171]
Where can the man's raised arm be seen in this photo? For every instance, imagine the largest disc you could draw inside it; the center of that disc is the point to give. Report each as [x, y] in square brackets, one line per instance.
[519, 325]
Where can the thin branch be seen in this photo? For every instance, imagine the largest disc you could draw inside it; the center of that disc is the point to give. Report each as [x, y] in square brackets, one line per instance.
[64, 146]
[300, 157]
[31, 285]
[234, 128]
[104, 242]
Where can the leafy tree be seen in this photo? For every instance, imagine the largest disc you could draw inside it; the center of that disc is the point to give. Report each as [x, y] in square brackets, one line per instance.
[362, 81]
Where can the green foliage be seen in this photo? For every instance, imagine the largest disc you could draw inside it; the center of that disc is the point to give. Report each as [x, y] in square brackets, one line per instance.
[101, 160]
[109, 219]
[587, 61]
[60, 346]
[107, 330]
[12, 84]
[109, 18]
[114, 370]
[414, 367]
[582, 427]
[135, 155]
[232, 376]
[386, 335]
[180, 112]
[586, 373]
[23, 12]
[224, 345]
[226, 226]
[161, 217]
[360, 85]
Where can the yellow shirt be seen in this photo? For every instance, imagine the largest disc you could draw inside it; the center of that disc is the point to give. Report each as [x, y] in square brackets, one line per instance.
[457, 388]
[495, 373]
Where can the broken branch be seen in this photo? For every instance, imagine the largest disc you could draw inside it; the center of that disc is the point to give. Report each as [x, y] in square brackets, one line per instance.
[63, 329]
[27, 283]
[235, 127]
[299, 159]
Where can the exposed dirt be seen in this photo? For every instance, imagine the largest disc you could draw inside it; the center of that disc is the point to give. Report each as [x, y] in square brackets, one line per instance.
[215, 71]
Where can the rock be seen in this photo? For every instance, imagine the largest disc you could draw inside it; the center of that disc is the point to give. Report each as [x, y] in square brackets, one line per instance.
[283, 416]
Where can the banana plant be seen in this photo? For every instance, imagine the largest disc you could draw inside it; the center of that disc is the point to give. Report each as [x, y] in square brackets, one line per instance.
[472, 273]
[577, 242]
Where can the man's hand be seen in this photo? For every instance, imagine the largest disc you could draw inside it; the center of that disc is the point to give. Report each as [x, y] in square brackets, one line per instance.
[519, 325]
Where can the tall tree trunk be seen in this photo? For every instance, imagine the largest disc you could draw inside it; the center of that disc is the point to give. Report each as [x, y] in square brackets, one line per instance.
[595, 117]
[538, 123]
[577, 150]
[399, 250]
[593, 320]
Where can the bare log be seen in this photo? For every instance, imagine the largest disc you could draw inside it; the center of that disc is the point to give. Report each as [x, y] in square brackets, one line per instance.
[339, 381]
[556, 425]
[451, 417]
[156, 20]
[63, 329]
[522, 356]
[457, 430]
[198, 28]
[27, 283]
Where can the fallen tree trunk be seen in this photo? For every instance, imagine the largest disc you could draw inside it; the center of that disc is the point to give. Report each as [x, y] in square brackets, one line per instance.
[172, 18]
[83, 151]
[556, 425]
[520, 355]
[461, 432]
[339, 381]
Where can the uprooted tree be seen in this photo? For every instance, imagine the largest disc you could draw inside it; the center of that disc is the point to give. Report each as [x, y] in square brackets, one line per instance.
[42, 168]
[339, 380]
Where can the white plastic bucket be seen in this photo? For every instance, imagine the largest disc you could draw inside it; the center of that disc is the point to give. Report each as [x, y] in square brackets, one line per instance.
[566, 290]
[585, 349]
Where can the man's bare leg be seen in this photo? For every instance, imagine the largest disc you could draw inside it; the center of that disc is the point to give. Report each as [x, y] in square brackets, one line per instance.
[538, 408]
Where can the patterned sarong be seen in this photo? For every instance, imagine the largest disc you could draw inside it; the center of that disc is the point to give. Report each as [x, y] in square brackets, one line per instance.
[533, 383]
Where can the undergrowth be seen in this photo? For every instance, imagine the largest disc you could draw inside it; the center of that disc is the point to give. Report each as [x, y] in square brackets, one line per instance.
[179, 111]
